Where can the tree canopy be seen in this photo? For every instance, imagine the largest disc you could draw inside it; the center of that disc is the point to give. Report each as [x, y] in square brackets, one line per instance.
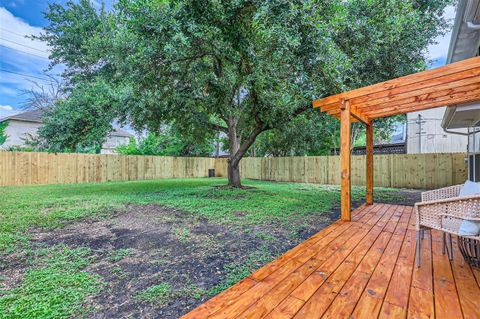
[3, 135]
[167, 143]
[240, 67]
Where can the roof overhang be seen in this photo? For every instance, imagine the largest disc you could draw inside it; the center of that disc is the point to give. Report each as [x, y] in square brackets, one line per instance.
[465, 39]
[5, 119]
[462, 116]
[451, 84]
[464, 44]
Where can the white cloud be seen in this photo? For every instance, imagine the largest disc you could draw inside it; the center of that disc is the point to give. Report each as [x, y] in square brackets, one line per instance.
[21, 65]
[12, 35]
[7, 110]
[440, 49]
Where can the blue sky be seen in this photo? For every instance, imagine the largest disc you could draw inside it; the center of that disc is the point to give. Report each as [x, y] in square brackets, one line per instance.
[23, 60]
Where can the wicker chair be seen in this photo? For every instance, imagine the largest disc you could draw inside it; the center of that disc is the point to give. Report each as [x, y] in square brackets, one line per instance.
[442, 209]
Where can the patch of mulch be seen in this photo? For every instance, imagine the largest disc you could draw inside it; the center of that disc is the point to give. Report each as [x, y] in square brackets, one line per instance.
[164, 245]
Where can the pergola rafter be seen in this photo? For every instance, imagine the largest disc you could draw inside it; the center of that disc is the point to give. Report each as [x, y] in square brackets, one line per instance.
[451, 84]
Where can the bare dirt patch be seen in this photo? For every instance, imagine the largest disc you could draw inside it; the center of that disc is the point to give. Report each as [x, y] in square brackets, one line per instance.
[142, 246]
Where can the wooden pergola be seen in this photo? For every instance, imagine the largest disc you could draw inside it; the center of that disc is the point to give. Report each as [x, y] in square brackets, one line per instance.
[451, 84]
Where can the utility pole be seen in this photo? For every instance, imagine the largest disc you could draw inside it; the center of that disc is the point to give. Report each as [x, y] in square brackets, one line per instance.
[419, 122]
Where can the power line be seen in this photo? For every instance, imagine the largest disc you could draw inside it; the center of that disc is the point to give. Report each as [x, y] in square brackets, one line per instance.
[21, 35]
[23, 45]
[26, 75]
[39, 56]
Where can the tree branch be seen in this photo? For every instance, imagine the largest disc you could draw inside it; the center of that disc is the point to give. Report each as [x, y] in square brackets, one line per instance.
[217, 127]
[247, 143]
[300, 110]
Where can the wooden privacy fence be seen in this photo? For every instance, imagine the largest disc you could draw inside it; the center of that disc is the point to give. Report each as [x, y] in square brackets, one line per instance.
[22, 168]
[423, 171]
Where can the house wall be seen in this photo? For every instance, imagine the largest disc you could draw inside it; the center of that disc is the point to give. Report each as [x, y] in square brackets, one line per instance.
[433, 139]
[17, 131]
[112, 143]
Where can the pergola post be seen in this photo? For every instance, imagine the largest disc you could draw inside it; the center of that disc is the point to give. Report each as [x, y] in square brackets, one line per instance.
[345, 185]
[369, 163]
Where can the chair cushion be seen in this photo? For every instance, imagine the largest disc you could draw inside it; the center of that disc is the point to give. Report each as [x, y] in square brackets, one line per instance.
[469, 228]
[470, 188]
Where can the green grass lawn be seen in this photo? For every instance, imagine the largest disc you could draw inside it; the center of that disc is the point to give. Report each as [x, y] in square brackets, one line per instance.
[54, 205]
[56, 283]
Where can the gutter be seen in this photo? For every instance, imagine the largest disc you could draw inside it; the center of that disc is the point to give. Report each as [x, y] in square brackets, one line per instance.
[458, 133]
[456, 29]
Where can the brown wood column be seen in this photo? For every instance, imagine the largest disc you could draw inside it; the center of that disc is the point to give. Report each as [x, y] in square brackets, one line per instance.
[345, 184]
[369, 164]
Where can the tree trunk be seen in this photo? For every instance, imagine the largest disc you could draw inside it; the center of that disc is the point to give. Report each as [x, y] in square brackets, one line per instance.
[233, 160]
[234, 175]
[238, 150]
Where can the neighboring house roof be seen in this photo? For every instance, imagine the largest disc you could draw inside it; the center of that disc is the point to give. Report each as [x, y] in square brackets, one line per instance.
[121, 133]
[29, 116]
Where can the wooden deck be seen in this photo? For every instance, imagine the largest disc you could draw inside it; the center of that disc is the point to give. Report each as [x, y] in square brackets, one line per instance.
[360, 269]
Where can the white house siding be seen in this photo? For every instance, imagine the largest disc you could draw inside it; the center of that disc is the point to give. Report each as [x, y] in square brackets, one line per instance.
[112, 143]
[17, 131]
[433, 139]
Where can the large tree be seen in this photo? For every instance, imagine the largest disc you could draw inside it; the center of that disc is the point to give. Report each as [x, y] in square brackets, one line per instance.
[240, 67]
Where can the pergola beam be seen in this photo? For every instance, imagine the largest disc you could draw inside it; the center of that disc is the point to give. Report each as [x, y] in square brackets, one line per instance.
[465, 97]
[399, 97]
[465, 94]
[425, 97]
[389, 85]
[359, 116]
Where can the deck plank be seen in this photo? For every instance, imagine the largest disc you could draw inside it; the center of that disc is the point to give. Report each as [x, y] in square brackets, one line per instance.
[447, 303]
[476, 273]
[348, 297]
[469, 295]
[369, 277]
[221, 299]
[421, 301]
[360, 269]
[312, 283]
[374, 293]
[395, 304]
